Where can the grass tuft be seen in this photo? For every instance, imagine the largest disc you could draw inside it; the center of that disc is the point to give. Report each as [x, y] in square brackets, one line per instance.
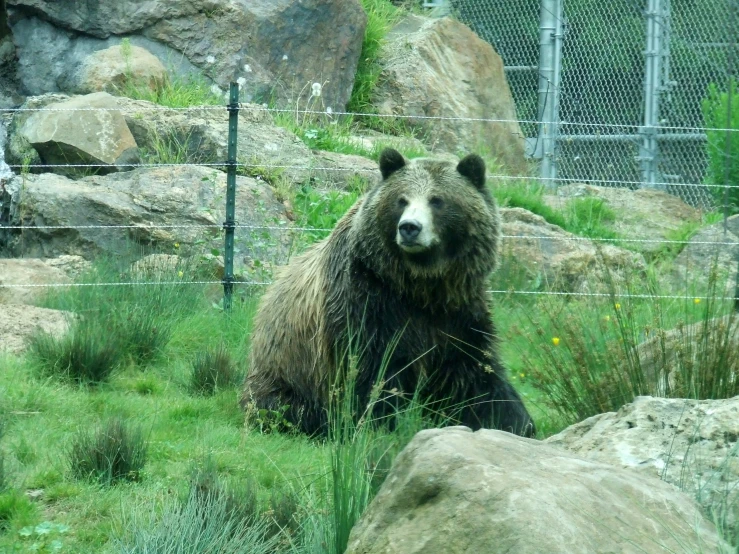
[87, 354]
[213, 370]
[115, 451]
[205, 524]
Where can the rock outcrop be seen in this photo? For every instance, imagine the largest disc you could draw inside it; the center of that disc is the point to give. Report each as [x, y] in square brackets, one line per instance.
[84, 130]
[19, 323]
[440, 68]
[277, 48]
[188, 201]
[565, 261]
[453, 491]
[16, 272]
[691, 444]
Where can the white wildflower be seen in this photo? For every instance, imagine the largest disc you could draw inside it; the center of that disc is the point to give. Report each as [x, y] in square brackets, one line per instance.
[241, 81]
[284, 57]
[316, 89]
[329, 110]
[210, 59]
[247, 68]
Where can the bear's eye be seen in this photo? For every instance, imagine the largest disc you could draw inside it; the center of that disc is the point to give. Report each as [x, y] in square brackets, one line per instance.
[402, 202]
[436, 202]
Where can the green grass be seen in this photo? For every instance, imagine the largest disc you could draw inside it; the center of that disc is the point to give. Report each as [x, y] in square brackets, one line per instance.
[587, 217]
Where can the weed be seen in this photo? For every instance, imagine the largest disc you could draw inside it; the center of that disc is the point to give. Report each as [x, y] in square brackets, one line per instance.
[15, 509]
[206, 523]
[212, 370]
[87, 353]
[176, 92]
[322, 210]
[381, 16]
[115, 451]
[46, 537]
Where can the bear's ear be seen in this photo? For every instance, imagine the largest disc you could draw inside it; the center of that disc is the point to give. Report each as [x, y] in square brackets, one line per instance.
[473, 167]
[390, 161]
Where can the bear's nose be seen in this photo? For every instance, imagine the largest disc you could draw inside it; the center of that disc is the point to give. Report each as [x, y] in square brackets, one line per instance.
[409, 229]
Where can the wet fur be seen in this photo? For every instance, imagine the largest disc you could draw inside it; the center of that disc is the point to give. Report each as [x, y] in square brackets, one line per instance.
[359, 283]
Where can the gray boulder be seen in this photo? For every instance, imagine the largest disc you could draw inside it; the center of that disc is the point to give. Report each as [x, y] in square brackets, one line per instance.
[19, 323]
[691, 444]
[84, 130]
[453, 491]
[112, 69]
[35, 272]
[440, 68]
[276, 46]
[189, 201]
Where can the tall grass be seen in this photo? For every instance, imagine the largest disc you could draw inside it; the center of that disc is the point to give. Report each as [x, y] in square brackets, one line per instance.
[381, 16]
[591, 357]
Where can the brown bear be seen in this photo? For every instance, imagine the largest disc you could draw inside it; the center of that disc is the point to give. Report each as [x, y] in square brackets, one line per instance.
[400, 285]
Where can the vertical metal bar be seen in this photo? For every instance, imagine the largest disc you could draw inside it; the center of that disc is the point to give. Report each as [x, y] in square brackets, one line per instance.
[230, 224]
[547, 30]
[656, 24]
[556, 81]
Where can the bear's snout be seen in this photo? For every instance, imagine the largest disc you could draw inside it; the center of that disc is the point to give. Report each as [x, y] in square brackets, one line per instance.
[410, 229]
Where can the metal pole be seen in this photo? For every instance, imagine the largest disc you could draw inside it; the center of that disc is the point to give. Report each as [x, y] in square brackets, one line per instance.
[656, 51]
[547, 47]
[230, 224]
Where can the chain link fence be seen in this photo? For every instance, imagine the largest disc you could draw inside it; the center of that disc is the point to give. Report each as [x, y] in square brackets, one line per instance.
[624, 86]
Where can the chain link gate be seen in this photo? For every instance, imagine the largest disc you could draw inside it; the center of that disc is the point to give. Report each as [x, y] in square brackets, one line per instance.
[618, 87]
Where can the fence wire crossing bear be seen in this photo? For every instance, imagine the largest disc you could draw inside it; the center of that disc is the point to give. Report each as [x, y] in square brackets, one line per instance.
[403, 278]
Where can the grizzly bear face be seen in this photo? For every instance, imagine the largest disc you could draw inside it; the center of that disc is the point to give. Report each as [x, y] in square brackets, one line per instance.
[430, 216]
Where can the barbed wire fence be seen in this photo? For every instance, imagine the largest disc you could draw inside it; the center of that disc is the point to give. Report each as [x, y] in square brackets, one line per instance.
[605, 142]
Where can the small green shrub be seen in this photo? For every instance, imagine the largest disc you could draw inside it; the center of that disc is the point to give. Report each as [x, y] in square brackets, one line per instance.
[587, 358]
[115, 451]
[716, 115]
[15, 508]
[212, 370]
[205, 524]
[587, 217]
[144, 334]
[322, 210]
[381, 16]
[87, 353]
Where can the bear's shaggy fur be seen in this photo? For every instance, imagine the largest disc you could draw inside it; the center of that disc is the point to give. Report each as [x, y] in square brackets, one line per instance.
[403, 276]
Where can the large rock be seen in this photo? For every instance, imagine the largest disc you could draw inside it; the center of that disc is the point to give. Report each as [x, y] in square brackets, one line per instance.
[563, 260]
[440, 68]
[277, 46]
[112, 69]
[689, 443]
[35, 272]
[183, 199]
[51, 59]
[643, 214]
[709, 261]
[201, 136]
[82, 130]
[453, 491]
[19, 323]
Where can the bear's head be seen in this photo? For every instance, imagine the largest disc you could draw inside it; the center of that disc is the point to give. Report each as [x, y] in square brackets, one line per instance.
[429, 218]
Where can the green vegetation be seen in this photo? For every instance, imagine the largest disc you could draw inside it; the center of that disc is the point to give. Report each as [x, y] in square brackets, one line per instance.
[723, 158]
[588, 217]
[212, 370]
[116, 451]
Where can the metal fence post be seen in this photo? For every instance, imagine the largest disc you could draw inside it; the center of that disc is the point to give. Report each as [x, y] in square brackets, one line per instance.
[550, 66]
[230, 225]
[656, 48]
